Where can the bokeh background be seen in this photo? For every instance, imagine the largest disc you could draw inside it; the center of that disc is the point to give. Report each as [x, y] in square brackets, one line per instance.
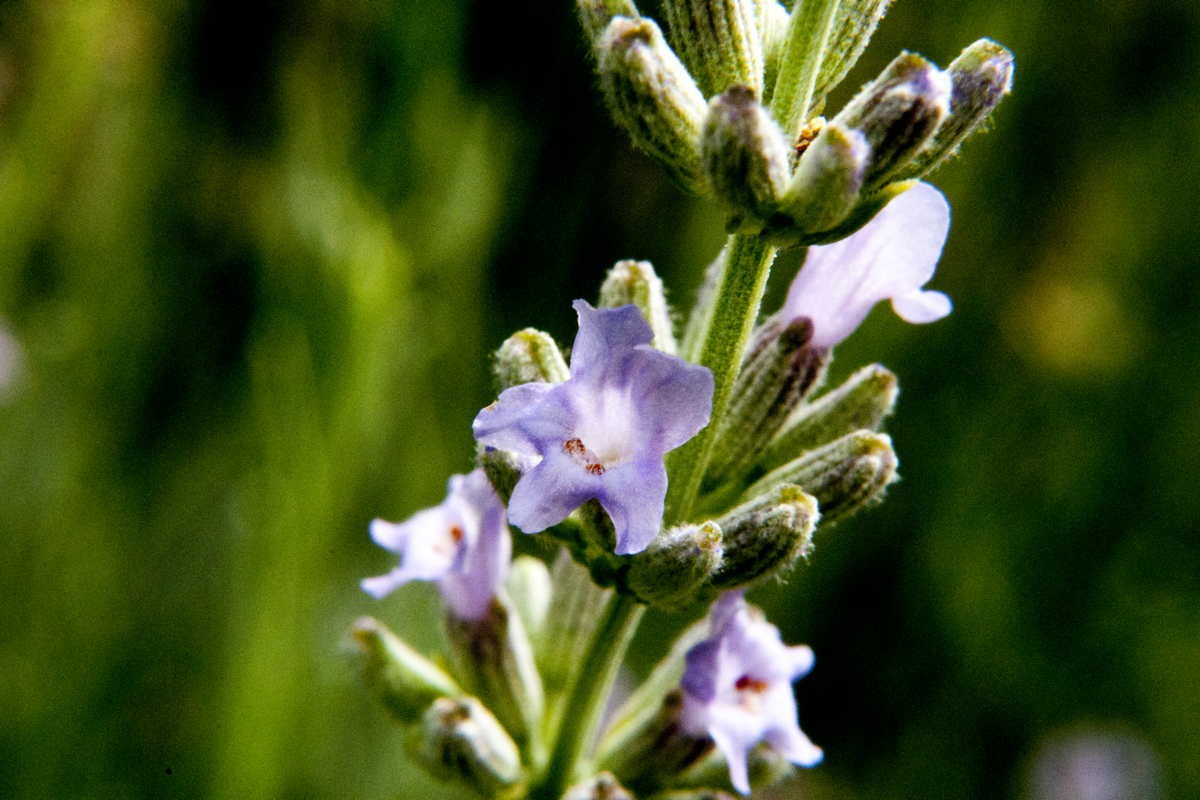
[253, 258]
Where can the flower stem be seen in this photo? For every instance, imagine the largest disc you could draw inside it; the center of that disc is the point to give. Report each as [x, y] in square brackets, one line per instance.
[728, 321]
[588, 694]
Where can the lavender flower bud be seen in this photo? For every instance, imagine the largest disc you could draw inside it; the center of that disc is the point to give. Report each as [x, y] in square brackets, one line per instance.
[980, 78]
[496, 658]
[827, 182]
[461, 739]
[672, 571]
[651, 95]
[402, 678]
[599, 787]
[853, 26]
[529, 356]
[898, 113]
[843, 476]
[765, 536]
[720, 41]
[745, 157]
[595, 15]
[861, 403]
[781, 367]
[636, 283]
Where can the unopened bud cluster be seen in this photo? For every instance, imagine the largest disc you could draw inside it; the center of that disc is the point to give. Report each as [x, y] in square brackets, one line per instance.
[730, 103]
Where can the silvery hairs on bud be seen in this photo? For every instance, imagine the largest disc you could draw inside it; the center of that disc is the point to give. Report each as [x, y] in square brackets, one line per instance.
[651, 95]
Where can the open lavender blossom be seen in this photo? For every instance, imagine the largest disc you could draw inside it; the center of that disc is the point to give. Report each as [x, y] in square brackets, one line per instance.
[462, 544]
[890, 258]
[604, 431]
[737, 689]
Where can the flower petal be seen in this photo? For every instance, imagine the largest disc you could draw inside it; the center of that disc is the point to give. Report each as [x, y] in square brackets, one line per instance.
[549, 492]
[920, 307]
[604, 330]
[512, 422]
[673, 398]
[893, 255]
[633, 495]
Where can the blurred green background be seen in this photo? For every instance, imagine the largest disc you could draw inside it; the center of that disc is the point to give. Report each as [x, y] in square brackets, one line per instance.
[253, 260]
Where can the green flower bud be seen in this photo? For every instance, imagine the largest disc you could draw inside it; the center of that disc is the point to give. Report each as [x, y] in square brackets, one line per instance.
[720, 41]
[765, 536]
[654, 753]
[651, 95]
[980, 77]
[530, 591]
[775, 27]
[599, 787]
[636, 283]
[503, 469]
[898, 113]
[780, 368]
[529, 356]
[853, 27]
[843, 476]
[861, 403]
[745, 157]
[460, 739]
[402, 678]
[672, 572]
[496, 658]
[827, 182]
[595, 15]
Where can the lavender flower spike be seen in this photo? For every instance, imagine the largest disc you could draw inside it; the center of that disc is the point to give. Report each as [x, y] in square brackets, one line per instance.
[891, 257]
[604, 431]
[462, 544]
[737, 689]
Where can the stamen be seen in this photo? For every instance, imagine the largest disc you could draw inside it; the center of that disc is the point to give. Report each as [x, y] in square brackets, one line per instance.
[595, 469]
[574, 447]
[749, 684]
[456, 533]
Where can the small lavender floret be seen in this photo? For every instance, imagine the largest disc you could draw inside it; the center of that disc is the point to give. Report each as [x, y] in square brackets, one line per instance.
[602, 433]
[462, 544]
[890, 258]
[737, 689]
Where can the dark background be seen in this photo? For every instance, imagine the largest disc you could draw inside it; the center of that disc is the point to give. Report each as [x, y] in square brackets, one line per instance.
[252, 263]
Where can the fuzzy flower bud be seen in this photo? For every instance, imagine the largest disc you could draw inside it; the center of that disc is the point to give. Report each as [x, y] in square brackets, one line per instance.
[853, 26]
[980, 78]
[529, 356]
[745, 157]
[636, 283]
[651, 95]
[402, 678]
[594, 15]
[720, 41]
[672, 572]
[827, 182]
[861, 403]
[460, 739]
[843, 476]
[765, 536]
[898, 113]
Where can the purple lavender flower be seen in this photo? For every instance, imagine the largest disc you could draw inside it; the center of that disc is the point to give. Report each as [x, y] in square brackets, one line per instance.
[737, 689]
[462, 544]
[604, 431]
[891, 257]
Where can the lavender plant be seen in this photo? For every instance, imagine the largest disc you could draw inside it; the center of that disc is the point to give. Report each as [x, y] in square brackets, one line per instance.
[678, 473]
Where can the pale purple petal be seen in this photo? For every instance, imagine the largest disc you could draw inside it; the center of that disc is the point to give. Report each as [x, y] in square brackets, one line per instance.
[603, 331]
[737, 689]
[891, 257]
[633, 495]
[546, 494]
[603, 433]
[920, 307]
[462, 544]
[506, 423]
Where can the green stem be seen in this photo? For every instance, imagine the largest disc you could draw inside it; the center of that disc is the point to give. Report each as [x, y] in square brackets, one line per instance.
[588, 694]
[800, 65]
[730, 318]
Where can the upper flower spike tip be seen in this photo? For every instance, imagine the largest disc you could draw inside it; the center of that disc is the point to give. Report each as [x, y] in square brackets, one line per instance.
[890, 258]
[462, 544]
[604, 431]
[737, 689]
